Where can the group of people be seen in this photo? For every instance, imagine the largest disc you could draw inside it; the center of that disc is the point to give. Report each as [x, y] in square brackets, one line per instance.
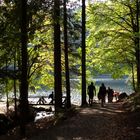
[101, 94]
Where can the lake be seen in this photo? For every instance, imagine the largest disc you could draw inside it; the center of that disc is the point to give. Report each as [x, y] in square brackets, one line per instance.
[120, 85]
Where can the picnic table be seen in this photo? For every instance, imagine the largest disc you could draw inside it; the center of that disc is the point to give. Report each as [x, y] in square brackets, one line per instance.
[43, 100]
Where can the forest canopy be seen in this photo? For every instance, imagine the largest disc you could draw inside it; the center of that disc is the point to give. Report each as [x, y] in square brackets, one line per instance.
[112, 33]
[46, 43]
[112, 40]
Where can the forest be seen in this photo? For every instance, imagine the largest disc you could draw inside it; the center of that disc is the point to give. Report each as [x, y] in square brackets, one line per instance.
[46, 43]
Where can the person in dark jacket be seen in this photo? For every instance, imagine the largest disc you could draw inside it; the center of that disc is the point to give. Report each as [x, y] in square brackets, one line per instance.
[110, 94]
[91, 92]
[102, 94]
[51, 96]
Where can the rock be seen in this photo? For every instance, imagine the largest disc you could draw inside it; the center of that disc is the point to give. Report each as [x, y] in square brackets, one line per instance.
[122, 96]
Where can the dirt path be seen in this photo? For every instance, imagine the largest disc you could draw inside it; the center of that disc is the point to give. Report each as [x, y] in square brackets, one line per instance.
[90, 123]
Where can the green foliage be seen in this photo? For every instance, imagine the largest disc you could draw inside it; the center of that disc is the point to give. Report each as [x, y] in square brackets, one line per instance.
[110, 45]
[40, 53]
[40, 41]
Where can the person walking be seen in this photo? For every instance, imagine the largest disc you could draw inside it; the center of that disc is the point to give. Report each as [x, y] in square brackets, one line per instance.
[51, 96]
[91, 92]
[102, 94]
[110, 95]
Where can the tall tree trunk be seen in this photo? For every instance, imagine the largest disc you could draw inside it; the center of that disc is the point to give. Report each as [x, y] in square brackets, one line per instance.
[138, 63]
[84, 102]
[68, 103]
[57, 57]
[24, 82]
[137, 43]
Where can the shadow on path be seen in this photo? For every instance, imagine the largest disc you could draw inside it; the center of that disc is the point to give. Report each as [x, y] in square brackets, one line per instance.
[91, 123]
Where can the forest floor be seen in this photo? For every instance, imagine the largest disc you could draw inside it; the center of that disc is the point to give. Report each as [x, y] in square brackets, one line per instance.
[110, 122]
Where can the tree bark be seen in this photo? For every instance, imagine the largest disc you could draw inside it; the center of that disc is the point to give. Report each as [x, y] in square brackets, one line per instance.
[137, 44]
[68, 101]
[57, 57]
[24, 82]
[84, 102]
[133, 77]
[15, 88]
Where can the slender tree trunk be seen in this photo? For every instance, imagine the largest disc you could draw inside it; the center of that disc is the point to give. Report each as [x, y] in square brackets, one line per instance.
[57, 57]
[133, 77]
[137, 43]
[138, 63]
[15, 84]
[84, 102]
[6, 82]
[24, 82]
[66, 58]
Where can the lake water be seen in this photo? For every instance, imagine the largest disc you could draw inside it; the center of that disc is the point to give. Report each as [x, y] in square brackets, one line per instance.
[119, 85]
